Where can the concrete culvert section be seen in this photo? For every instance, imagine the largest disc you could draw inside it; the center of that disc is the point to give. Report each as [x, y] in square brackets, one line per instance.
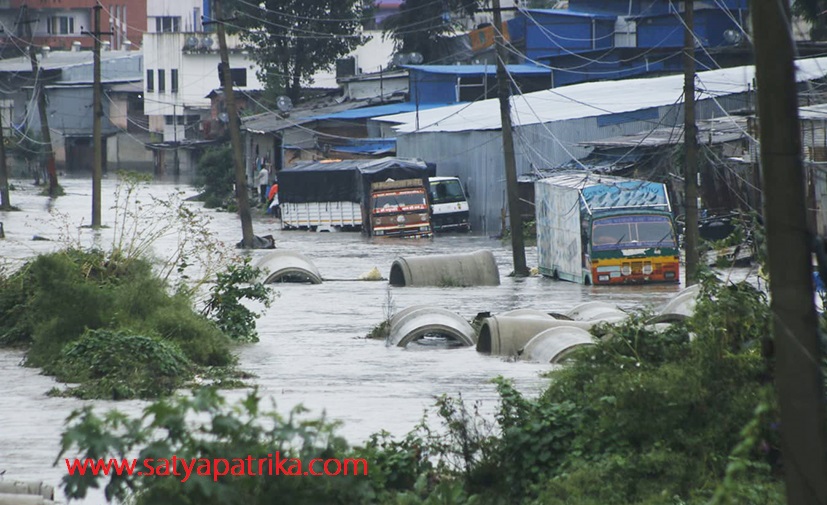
[421, 321]
[505, 335]
[555, 344]
[472, 269]
[289, 266]
[596, 311]
[683, 303]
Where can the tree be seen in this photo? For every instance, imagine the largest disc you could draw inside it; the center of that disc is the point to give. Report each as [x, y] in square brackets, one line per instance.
[814, 11]
[293, 39]
[426, 26]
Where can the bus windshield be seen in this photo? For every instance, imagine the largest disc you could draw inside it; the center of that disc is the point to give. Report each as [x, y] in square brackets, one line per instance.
[632, 231]
[446, 192]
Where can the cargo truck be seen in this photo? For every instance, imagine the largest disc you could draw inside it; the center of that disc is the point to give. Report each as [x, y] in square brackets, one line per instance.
[596, 229]
[449, 205]
[357, 195]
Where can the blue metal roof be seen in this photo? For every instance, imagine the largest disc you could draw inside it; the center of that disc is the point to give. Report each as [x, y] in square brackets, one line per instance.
[379, 110]
[568, 12]
[521, 69]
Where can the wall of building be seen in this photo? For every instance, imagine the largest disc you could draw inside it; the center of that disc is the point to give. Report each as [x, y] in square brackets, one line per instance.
[197, 74]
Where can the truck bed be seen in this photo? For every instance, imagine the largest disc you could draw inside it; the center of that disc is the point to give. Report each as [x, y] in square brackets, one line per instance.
[323, 215]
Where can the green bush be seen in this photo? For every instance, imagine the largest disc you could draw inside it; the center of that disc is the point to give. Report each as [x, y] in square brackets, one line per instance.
[215, 174]
[53, 300]
[118, 365]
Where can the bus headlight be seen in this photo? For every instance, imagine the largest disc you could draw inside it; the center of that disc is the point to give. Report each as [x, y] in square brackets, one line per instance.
[626, 269]
[647, 268]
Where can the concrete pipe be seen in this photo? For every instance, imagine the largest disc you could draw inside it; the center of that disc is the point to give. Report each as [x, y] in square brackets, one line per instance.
[27, 488]
[418, 321]
[472, 269]
[289, 266]
[683, 303]
[555, 344]
[528, 312]
[596, 311]
[24, 499]
[505, 335]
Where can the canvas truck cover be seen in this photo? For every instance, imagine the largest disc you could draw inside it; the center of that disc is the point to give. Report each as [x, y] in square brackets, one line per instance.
[559, 247]
[347, 180]
[603, 193]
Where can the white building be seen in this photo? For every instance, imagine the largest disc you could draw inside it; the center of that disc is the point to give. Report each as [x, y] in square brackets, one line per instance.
[181, 67]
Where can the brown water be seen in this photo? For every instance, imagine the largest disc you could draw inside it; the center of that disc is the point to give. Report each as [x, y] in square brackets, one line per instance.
[311, 349]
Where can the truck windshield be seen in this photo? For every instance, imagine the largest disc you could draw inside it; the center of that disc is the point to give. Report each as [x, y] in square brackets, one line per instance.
[447, 192]
[632, 231]
[392, 201]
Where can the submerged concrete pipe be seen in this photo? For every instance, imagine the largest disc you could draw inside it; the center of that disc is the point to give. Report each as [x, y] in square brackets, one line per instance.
[472, 269]
[529, 313]
[289, 266]
[28, 488]
[596, 311]
[683, 303]
[418, 321]
[555, 344]
[505, 335]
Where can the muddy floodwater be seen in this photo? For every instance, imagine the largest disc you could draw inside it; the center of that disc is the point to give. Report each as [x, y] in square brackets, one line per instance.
[312, 349]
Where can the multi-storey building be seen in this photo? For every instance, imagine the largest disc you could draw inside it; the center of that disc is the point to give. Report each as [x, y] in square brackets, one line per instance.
[60, 24]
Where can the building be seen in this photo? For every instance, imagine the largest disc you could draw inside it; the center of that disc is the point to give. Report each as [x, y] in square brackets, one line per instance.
[59, 24]
[67, 77]
[465, 140]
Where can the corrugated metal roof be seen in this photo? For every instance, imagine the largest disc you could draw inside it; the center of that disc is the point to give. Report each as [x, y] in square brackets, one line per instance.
[567, 12]
[813, 112]
[521, 69]
[379, 110]
[270, 122]
[57, 60]
[589, 100]
[711, 131]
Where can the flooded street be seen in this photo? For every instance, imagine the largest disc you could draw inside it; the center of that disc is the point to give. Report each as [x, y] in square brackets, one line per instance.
[312, 349]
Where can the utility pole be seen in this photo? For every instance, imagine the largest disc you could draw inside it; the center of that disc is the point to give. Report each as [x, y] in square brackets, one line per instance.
[176, 163]
[97, 113]
[235, 135]
[797, 352]
[5, 202]
[40, 91]
[504, 88]
[690, 143]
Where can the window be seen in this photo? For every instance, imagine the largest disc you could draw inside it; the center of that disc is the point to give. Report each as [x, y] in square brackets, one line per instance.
[168, 24]
[239, 76]
[173, 80]
[150, 80]
[162, 85]
[60, 25]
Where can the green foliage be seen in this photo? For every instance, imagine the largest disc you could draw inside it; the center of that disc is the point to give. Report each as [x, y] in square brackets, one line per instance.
[204, 426]
[291, 40]
[426, 27]
[53, 300]
[118, 365]
[645, 416]
[215, 175]
[237, 283]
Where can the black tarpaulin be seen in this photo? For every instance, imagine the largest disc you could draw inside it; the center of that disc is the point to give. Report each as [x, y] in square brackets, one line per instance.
[348, 180]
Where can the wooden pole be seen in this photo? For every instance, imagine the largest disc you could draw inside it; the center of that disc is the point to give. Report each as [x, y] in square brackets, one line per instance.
[235, 136]
[690, 139]
[504, 88]
[795, 326]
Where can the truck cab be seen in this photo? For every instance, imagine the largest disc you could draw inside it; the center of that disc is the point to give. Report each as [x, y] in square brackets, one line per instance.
[449, 205]
[399, 209]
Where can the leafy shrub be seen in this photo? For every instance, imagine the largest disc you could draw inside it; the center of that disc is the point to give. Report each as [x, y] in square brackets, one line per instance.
[53, 300]
[237, 283]
[118, 365]
[215, 175]
[204, 426]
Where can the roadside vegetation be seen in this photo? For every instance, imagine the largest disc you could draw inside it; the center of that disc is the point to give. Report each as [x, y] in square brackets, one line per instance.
[114, 325]
[215, 177]
[684, 414]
